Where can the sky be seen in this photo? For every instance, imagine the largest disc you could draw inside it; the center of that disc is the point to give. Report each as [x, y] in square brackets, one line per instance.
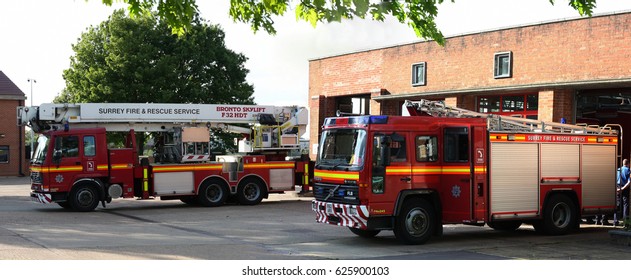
[36, 38]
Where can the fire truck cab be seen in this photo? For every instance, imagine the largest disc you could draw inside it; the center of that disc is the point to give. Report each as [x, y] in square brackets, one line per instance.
[412, 174]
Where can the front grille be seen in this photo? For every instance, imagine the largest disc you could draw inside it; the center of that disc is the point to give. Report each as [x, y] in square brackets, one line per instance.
[36, 178]
[336, 193]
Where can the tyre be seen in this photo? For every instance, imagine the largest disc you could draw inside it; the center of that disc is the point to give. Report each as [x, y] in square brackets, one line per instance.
[416, 222]
[83, 198]
[212, 193]
[365, 233]
[250, 191]
[505, 225]
[559, 215]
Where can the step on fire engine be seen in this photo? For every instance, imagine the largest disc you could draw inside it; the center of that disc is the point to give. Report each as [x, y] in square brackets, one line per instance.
[443, 165]
[73, 166]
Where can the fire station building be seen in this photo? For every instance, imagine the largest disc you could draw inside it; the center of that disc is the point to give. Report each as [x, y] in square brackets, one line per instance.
[578, 70]
[13, 159]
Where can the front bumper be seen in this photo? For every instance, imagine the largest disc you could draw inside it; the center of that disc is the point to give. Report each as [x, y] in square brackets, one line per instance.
[355, 216]
[45, 198]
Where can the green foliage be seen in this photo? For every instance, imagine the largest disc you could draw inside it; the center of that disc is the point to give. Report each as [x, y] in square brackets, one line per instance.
[584, 7]
[178, 13]
[139, 60]
[420, 15]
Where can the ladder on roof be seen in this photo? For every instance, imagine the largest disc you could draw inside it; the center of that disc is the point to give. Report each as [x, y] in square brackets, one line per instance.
[504, 123]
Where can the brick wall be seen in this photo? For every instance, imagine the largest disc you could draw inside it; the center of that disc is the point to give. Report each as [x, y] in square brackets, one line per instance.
[544, 56]
[11, 138]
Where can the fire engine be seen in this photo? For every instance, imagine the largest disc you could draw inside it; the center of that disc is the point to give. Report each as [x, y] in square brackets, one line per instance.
[446, 165]
[75, 166]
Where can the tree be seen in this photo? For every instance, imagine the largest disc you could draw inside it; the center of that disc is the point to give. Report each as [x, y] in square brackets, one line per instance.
[140, 60]
[419, 15]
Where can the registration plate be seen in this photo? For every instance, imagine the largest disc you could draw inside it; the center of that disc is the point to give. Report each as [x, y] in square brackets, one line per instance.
[329, 208]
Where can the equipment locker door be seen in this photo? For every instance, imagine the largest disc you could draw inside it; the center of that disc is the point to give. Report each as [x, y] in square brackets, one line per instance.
[456, 188]
[479, 162]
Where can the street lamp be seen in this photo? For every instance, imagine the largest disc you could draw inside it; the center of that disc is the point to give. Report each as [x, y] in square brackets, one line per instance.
[32, 81]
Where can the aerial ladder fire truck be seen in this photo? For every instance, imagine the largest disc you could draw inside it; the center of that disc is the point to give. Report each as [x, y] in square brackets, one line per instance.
[445, 165]
[74, 166]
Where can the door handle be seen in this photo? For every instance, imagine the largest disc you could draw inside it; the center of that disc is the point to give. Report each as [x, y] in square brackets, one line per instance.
[406, 179]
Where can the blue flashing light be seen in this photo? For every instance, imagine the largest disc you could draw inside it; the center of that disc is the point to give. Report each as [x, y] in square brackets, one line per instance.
[379, 119]
[356, 120]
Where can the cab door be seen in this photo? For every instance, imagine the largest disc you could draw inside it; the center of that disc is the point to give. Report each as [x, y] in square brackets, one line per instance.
[456, 189]
[391, 170]
[66, 162]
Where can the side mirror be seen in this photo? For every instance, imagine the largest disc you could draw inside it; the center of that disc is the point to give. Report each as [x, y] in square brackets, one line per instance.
[57, 156]
[385, 152]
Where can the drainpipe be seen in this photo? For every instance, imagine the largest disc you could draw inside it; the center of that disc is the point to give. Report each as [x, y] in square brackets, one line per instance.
[21, 147]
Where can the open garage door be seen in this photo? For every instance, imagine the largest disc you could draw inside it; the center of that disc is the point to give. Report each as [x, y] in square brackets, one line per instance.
[607, 106]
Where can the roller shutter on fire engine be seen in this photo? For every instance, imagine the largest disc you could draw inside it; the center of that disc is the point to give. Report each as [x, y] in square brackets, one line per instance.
[599, 175]
[514, 178]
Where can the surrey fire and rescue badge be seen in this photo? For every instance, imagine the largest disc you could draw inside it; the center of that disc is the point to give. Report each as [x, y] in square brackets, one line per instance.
[455, 191]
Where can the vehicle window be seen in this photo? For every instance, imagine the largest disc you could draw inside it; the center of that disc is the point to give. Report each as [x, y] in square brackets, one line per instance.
[456, 144]
[426, 148]
[89, 145]
[69, 146]
[397, 148]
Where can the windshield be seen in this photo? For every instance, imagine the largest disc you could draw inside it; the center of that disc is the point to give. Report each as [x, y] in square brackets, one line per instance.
[342, 149]
[40, 151]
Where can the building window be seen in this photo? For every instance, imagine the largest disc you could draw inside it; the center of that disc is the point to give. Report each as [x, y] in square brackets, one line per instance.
[4, 154]
[503, 65]
[418, 74]
[523, 105]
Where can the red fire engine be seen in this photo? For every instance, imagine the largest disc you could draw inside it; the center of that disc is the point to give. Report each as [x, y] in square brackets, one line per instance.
[443, 165]
[74, 167]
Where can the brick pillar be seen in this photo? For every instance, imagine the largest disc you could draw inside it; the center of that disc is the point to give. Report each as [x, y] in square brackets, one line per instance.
[375, 106]
[466, 102]
[564, 106]
[451, 101]
[317, 113]
[546, 105]
[556, 104]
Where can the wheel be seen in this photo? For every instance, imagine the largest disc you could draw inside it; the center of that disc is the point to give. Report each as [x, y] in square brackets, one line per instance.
[416, 222]
[559, 215]
[83, 198]
[250, 191]
[64, 205]
[505, 225]
[365, 233]
[212, 193]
